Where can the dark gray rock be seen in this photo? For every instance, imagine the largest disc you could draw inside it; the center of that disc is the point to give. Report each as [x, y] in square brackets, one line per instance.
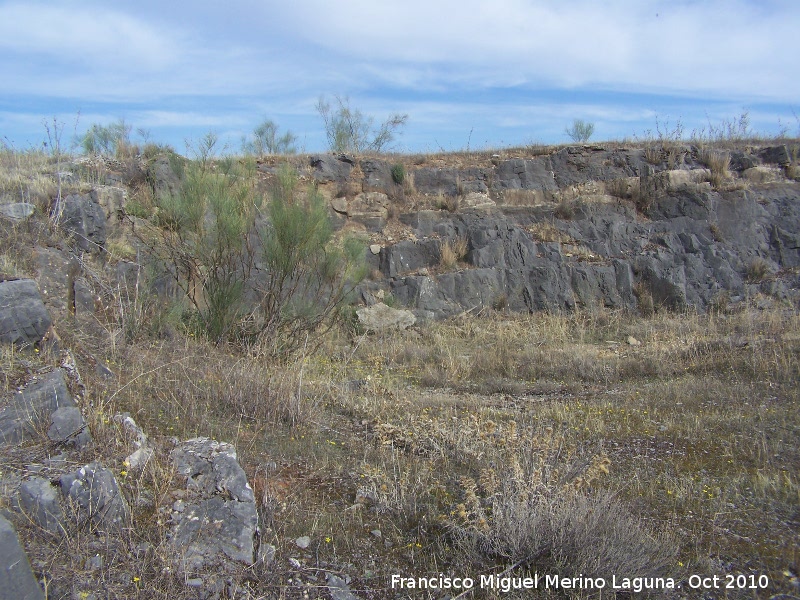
[219, 522]
[29, 412]
[408, 256]
[450, 182]
[577, 165]
[338, 588]
[776, 154]
[67, 426]
[330, 168]
[377, 176]
[519, 174]
[94, 492]
[39, 500]
[164, 175]
[85, 220]
[24, 320]
[741, 161]
[16, 577]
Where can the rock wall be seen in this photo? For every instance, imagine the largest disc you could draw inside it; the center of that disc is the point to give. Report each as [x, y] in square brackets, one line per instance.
[581, 227]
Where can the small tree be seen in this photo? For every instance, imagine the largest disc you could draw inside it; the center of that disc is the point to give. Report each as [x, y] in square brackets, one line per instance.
[203, 236]
[308, 276]
[274, 288]
[106, 140]
[265, 140]
[348, 130]
[580, 131]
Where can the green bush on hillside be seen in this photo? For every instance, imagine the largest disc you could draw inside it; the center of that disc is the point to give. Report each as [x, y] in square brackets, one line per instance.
[106, 140]
[271, 288]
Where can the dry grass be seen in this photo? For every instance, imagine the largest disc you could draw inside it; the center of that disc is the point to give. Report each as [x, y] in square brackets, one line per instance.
[451, 252]
[671, 415]
[718, 163]
[523, 197]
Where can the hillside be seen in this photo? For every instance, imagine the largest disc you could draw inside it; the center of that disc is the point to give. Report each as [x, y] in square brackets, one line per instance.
[587, 367]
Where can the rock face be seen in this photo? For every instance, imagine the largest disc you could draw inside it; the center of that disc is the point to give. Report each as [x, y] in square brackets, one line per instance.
[85, 220]
[218, 522]
[16, 577]
[23, 317]
[694, 245]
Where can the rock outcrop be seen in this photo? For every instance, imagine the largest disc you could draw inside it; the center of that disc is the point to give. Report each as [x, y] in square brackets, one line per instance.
[593, 227]
[217, 523]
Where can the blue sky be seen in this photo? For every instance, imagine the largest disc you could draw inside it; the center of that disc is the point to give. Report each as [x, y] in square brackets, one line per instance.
[467, 72]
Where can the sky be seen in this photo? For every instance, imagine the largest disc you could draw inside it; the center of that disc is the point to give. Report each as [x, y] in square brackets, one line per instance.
[470, 74]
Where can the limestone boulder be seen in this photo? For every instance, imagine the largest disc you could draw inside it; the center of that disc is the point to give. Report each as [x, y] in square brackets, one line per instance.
[380, 317]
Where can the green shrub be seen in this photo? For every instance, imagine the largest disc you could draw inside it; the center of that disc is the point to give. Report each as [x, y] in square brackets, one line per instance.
[273, 289]
[398, 173]
[106, 140]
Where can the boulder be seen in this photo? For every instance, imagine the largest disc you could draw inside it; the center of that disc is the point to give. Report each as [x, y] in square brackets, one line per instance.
[16, 577]
[163, 177]
[39, 500]
[218, 522]
[519, 174]
[67, 426]
[380, 317]
[450, 182]
[408, 256]
[377, 176]
[30, 410]
[776, 155]
[762, 174]
[111, 199]
[17, 211]
[24, 320]
[93, 491]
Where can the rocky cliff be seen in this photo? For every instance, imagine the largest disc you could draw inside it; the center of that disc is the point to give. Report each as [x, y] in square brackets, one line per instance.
[679, 227]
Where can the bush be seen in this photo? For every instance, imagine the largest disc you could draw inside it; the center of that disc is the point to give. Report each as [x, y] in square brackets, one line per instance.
[308, 277]
[272, 289]
[525, 515]
[580, 131]
[265, 140]
[398, 174]
[348, 130]
[106, 140]
[757, 270]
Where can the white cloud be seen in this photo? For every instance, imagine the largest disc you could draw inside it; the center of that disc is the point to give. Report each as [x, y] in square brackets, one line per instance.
[90, 36]
[716, 47]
